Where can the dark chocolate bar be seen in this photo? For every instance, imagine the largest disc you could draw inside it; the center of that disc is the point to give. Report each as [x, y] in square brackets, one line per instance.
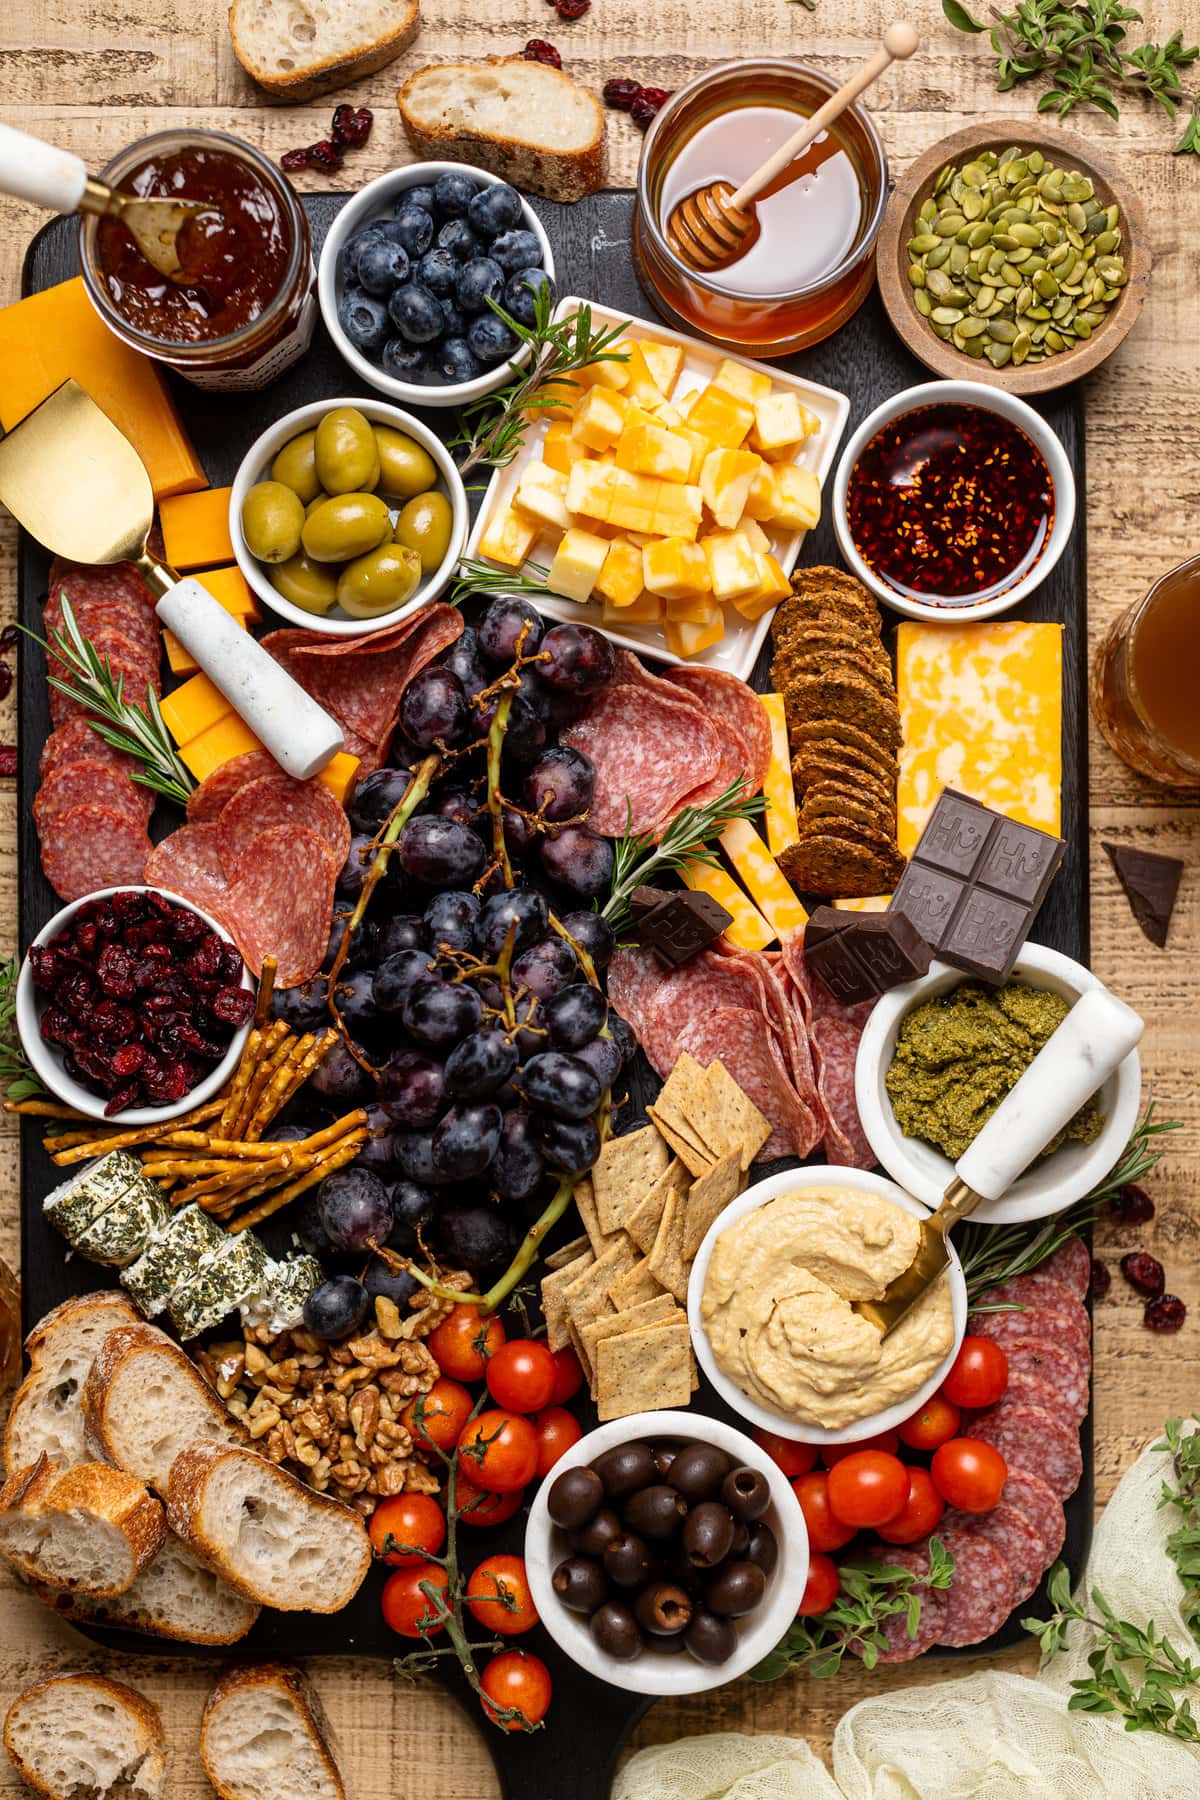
[861, 955]
[681, 925]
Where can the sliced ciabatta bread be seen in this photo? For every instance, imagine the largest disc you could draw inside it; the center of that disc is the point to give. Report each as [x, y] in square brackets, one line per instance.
[90, 1527]
[302, 48]
[76, 1735]
[45, 1416]
[264, 1736]
[264, 1532]
[524, 121]
[175, 1596]
[144, 1401]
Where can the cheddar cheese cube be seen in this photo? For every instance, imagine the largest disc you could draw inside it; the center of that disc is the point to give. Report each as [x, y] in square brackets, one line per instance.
[620, 580]
[193, 708]
[195, 528]
[589, 489]
[755, 536]
[653, 450]
[633, 502]
[663, 361]
[780, 423]
[647, 609]
[748, 384]
[699, 446]
[688, 638]
[723, 417]
[610, 373]
[224, 739]
[676, 569]
[577, 563]
[670, 416]
[542, 494]
[641, 385]
[560, 450]
[763, 498]
[339, 775]
[678, 510]
[773, 587]
[230, 587]
[732, 564]
[767, 887]
[798, 498]
[509, 538]
[599, 419]
[725, 482]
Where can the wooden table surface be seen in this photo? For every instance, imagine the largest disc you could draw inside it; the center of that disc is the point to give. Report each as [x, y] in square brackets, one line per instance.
[93, 75]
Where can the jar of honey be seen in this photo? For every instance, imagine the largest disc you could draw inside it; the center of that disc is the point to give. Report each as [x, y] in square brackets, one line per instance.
[242, 308]
[811, 264]
[1144, 680]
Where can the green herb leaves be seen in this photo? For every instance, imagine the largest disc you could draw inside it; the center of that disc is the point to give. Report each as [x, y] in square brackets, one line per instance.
[16, 1077]
[1183, 1545]
[638, 859]
[871, 1593]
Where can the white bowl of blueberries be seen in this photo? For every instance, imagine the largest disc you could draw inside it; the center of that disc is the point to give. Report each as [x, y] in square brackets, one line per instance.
[408, 269]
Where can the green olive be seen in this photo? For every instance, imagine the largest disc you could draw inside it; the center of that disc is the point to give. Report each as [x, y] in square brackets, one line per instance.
[316, 500]
[345, 525]
[424, 525]
[406, 468]
[271, 520]
[347, 461]
[307, 584]
[380, 580]
[296, 466]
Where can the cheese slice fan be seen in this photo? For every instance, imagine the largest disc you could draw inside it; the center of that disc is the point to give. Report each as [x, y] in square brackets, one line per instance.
[77, 484]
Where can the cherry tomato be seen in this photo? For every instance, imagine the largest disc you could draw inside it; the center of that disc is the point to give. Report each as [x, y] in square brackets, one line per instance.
[836, 1453]
[413, 1519]
[516, 1680]
[824, 1531]
[498, 1595]
[820, 1590]
[438, 1416]
[919, 1514]
[478, 1507]
[969, 1474]
[557, 1429]
[569, 1378]
[522, 1375]
[794, 1459]
[405, 1605]
[868, 1488]
[979, 1373]
[499, 1451]
[932, 1424]
[464, 1342]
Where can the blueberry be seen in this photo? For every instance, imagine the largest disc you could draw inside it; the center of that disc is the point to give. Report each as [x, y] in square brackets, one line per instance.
[406, 363]
[414, 229]
[457, 237]
[457, 361]
[456, 321]
[489, 339]
[363, 319]
[382, 266]
[520, 294]
[495, 209]
[479, 281]
[438, 271]
[351, 249]
[416, 314]
[515, 250]
[421, 197]
[453, 194]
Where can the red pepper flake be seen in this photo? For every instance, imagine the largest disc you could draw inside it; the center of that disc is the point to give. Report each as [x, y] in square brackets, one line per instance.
[538, 50]
[8, 759]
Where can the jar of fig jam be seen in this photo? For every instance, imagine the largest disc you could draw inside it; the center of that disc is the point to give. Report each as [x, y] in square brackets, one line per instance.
[244, 307]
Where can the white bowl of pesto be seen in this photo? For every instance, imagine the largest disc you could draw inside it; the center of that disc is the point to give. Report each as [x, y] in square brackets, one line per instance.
[1048, 1185]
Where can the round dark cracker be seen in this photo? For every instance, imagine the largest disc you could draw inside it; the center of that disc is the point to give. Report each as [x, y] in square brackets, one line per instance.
[815, 725]
[827, 864]
[850, 697]
[829, 800]
[835, 585]
[815, 653]
[852, 830]
[830, 759]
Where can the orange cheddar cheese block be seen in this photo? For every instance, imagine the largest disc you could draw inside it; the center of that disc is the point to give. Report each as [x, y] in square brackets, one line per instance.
[339, 775]
[193, 709]
[221, 739]
[783, 826]
[195, 529]
[749, 930]
[767, 886]
[234, 592]
[57, 335]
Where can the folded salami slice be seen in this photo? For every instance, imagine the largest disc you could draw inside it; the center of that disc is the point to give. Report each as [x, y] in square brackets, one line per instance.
[633, 976]
[687, 993]
[835, 1052]
[737, 1038]
[980, 1597]
[651, 750]
[1063, 1329]
[1019, 1542]
[188, 863]
[1071, 1264]
[94, 846]
[277, 800]
[1031, 1437]
[736, 709]
[1039, 1367]
[216, 790]
[89, 780]
[1041, 1506]
[280, 901]
[789, 1031]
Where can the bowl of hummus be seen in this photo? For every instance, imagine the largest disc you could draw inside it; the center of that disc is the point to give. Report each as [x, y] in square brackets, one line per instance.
[771, 1306]
[938, 1055]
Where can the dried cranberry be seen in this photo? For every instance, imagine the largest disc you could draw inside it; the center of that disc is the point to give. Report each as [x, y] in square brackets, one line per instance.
[1143, 1272]
[571, 9]
[122, 1097]
[647, 106]
[9, 639]
[56, 1025]
[75, 994]
[325, 155]
[538, 50]
[186, 927]
[128, 1060]
[114, 971]
[128, 905]
[351, 126]
[87, 936]
[8, 759]
[296, 159]
[231, 1006]
[1132, 1205]
[1101, 1279]
[1167, 1313]
[6, 681]
[207, 958]
[44, 965]
[113, 1023]
[621, 92]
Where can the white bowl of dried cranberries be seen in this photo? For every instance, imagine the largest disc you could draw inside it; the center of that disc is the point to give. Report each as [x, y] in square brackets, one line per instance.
[133, 1006]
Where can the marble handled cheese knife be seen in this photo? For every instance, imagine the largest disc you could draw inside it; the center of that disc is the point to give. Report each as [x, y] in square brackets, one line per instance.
[77, 484]
[1094, 1039]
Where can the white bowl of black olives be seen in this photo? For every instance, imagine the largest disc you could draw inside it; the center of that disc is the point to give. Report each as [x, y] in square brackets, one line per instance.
[668, 1554]
[408, 269]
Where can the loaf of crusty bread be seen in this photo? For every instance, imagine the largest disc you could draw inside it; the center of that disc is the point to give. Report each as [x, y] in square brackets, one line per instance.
[264, 1736]
[74, 1735]
[302, 48]
[175, 1596]
[45, 1418]
[144, 1401]
[89, 1528]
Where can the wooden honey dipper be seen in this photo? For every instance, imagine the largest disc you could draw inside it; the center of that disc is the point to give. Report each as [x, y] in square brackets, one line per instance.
[717, 224]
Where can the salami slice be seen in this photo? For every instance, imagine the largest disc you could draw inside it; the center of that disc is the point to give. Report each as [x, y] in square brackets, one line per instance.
[914, 1558]
[1041, 1506]
[1036, 1363]
[633, 976]
[1019, 1542]
[651, 750]
[277, 800]
[1031, 1437]
[77, 740]
[280, 901]
[1036, 1290]
[981, 1595]
[114, 581]
[205, 802]
[790, 1030]
[731, 704]
[835, 1047]
[85, 781]
[1063, 1329]
[188, 863]
[737, 1038]
[684, 994]
[94, 846]
[95, 608]
[1071, 1264]
[126, 659]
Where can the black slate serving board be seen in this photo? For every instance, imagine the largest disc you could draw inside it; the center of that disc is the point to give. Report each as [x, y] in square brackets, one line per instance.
[589, 1721]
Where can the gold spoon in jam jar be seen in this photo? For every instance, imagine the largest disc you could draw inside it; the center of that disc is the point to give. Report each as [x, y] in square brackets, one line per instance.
[33, 170]
[717, 224]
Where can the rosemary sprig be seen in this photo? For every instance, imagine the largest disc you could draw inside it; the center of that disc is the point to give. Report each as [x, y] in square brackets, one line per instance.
[87, 678]
[16, 1077]
[481, 578]
[637, 858]
[493, 429]
[870, 1594]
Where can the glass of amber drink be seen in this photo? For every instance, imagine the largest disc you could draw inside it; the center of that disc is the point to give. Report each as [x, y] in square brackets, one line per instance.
[1144, 693]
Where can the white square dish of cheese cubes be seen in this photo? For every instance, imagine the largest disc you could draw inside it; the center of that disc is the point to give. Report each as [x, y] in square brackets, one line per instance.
[668, 497]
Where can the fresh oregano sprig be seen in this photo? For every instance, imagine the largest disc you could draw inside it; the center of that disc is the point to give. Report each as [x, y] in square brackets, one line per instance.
[16, 1076]
[870, 1594]
[637, 859]
[1183, 1545]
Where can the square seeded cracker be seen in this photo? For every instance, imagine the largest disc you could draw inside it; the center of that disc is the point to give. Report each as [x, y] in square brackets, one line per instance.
[643, 1371]
[554, 1306]
[624, 1173]
[707, 1201]
[732, 1121]
[660, 1311]
[666, 1260]
[642, 1225]
[587, 1298]
[640, 1283]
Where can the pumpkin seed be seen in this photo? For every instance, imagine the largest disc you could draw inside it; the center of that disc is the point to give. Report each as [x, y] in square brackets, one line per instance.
[947, 315]
[923, 303]
[999, 355]
[1020, 349]
[937, 257]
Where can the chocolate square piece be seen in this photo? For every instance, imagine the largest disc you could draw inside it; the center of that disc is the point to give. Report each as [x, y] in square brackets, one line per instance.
[682, 925]
[1151, 882]
[643, 900]
[870, 954]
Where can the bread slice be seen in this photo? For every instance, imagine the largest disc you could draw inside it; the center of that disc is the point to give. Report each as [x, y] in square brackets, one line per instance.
[75, 1735]
[302, 48]
[90, 1527]
[175, 1596]
[144, 1401]
[264, 1532]
[45, 1416]
[528, 123]
[264, 1736]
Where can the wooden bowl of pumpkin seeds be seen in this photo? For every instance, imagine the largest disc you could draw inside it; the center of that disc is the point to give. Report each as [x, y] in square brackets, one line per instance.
[1011, 255]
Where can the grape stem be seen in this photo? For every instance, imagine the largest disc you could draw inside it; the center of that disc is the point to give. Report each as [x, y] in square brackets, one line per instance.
[496, 731]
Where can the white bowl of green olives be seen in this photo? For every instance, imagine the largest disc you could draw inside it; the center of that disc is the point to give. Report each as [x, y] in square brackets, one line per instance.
[346, 515]
[631, 1630]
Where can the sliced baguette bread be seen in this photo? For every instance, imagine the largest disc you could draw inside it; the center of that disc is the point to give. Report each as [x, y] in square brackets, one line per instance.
[302, 48]
[45, 1416]
[528, 123]
[91, 1528]
[175, 1596]
[74, 1735]
[264, 1736]
[144, 1401]
[264, 1532]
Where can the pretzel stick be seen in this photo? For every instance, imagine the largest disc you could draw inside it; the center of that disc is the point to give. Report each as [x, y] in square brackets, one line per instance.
[127, 1140]
[338, 1157]
[252, 1189]
[217, 1146]
[240, 1081]
[43, 1109]
[266, 987]
[309, 1053]
[330, 1134]
[277, 1047]
[240, 1172]
[196, 1165]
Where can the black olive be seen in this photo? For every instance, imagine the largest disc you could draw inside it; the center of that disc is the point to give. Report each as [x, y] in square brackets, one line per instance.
[741, 1541]
[627, 1561]
[574, 1498]
[677, 1568]
[747, 1494]
[708, 1534]
[763, 1548]
[655, 1512]
[698, 1471]
[709, 1639]
[580, 1585]
[663, 1609]
[624, 1468]
[736, 1589]
[616, 1631]
[602, 1529]
[664, 1455]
